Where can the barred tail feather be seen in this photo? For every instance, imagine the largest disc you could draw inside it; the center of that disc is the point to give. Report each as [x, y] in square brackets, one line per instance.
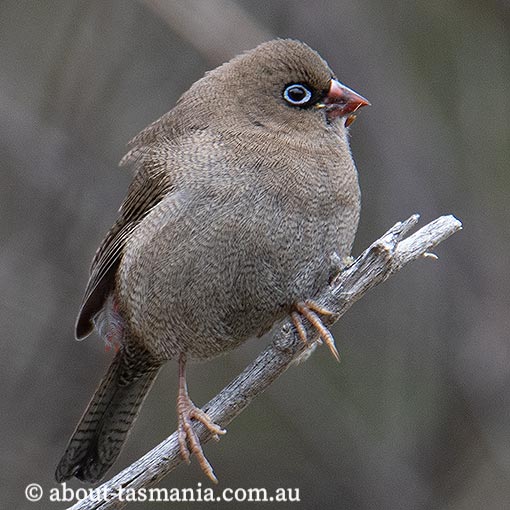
[100, 435]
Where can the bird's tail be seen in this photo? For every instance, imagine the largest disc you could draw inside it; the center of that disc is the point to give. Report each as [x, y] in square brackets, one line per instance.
[98, 439]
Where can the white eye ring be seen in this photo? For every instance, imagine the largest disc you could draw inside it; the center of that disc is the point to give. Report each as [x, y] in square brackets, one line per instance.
[297, 94]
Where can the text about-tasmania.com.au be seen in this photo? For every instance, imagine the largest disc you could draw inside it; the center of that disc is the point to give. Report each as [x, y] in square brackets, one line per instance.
[64, 494]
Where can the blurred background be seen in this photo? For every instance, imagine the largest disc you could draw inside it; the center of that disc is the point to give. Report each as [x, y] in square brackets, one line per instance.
[417, 415]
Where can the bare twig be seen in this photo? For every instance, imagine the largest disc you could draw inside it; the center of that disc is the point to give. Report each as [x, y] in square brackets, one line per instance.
[384, 257]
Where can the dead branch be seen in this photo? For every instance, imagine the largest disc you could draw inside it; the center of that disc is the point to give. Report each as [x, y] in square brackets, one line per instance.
[383, 258]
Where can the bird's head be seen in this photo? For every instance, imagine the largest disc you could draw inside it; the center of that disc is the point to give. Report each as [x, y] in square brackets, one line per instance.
[281, 85]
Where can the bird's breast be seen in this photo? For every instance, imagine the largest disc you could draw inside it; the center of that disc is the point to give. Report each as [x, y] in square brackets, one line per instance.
[204, 273]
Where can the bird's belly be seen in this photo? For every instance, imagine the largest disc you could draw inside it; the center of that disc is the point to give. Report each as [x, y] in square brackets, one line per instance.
[206, 287]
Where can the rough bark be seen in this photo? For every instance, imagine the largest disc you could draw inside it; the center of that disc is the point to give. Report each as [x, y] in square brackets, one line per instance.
[383, 258]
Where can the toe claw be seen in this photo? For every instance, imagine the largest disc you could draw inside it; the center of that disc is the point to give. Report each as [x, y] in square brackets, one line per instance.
[307, 309]
[296, 320]
[312, 305]
[189, 443]
[183, 447]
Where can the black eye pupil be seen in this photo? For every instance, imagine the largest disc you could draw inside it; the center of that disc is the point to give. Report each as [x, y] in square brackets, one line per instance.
[297, 94]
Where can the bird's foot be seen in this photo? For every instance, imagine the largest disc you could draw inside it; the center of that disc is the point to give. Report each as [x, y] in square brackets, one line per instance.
[188, 439]
[309, 310]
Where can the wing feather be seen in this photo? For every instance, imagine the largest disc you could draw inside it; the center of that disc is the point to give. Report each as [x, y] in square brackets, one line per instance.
[150, 184]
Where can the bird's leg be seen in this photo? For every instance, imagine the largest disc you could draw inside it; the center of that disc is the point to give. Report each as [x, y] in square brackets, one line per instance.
[309, 310]
[186, 411]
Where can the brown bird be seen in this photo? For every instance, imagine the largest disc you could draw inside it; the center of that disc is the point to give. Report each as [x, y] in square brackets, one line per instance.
[244, 196]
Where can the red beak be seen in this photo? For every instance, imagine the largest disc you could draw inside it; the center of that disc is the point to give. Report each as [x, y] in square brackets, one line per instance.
[341, 100]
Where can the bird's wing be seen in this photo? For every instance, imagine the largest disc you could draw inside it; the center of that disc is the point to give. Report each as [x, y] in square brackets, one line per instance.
[150, 184]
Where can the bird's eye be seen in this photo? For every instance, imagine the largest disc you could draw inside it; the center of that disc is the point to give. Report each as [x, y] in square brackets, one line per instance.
[297, 94]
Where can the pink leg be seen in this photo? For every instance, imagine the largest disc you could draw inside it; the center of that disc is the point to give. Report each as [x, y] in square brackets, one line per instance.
[309, 310]
[186, 411]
